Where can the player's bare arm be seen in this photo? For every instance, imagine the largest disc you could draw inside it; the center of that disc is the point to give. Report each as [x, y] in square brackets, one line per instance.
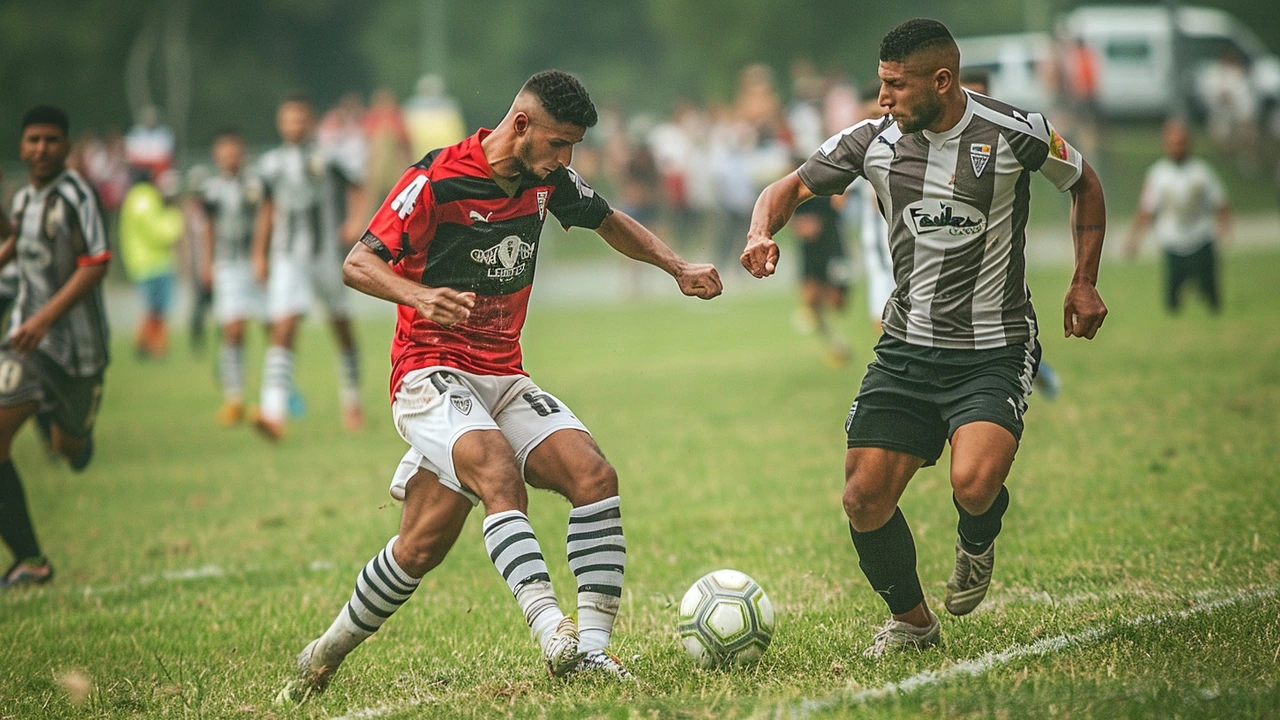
[29, 334]
[634, 240]
[1083, 311]
[8, 250]
[206, 249]
[262, 239]
[773, 209]
[351, 228]
[371, 275]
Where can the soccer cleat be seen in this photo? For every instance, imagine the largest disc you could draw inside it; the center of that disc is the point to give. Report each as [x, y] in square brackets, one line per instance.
[561, 651]
[969, 581]
[603, 662]
[28, 571]
[310, 681]
[231, 413]
[896, 635]
[353, 417]
[270, 429]
[81, 461]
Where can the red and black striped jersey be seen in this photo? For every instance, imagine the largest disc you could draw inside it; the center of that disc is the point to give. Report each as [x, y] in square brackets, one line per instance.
[447, 223]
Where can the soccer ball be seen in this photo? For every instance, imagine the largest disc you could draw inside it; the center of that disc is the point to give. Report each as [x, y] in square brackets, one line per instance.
[725, 620]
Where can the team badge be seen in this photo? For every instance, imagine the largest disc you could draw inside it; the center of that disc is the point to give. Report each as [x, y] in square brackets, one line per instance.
[979, 155]
[542, 204]
[462, 403]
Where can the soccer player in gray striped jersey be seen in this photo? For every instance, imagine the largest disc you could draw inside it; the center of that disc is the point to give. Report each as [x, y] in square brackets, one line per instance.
[312, 202]
[230, 199]
[952, 171]
[54, 355]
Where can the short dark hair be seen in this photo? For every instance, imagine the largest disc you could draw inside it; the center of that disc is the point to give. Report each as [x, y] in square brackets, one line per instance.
[47, 115]
[912, 37]
[564, 97]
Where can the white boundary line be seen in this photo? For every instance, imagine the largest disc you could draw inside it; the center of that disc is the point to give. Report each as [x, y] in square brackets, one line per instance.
[1040, 648]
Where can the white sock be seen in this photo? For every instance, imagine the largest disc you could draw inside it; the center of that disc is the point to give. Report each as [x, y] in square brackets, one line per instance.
[515, 552]
[277, 378]
[381, 588]
[598, 557]
[231, 372]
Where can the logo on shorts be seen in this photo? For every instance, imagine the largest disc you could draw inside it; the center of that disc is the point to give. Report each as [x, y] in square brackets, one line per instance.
[979, 155]
[1017, 409]
[848, 423]
[507, 259]
[462, 403]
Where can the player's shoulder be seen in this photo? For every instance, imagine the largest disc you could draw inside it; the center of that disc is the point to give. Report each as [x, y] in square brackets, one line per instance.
[860, 134]
[77, 191]
[1011, 118]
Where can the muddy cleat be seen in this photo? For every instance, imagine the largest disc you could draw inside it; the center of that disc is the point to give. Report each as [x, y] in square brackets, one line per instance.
[311, 680]
[271, 430]
[28, 571]
[230, 414]
[604, 663]
[895, 635]
[561, 651]
[970, 580]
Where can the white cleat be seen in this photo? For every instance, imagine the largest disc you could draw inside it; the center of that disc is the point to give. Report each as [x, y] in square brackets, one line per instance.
[561, 651]
[898, 635]
[310, 680]
[969, 581]
[605, 663]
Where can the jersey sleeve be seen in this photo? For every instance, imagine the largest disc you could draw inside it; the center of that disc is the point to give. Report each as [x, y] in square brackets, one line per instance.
[406, 222]
[839, 161]
[575, 203]
[95, 249]
[1213, 187]
[1063, 164]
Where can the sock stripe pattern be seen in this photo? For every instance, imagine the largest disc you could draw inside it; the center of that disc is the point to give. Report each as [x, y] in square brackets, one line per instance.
[277, 378]
[597, 548]
[349, 372]
[381, 588]
[514, 549]
[231, 371]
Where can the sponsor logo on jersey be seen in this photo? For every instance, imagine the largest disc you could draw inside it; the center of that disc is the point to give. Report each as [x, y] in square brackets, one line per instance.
[408, 197]
[930, 216]
[463, 404]
[1058, 146]
[979, 155]
[477, 217]
[542, 204]
[507, 259]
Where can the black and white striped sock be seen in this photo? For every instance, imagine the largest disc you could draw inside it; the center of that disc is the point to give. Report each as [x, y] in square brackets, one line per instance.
[597, 556]
[381, 588]
[515, 552]
[231, 372]
[277, 379]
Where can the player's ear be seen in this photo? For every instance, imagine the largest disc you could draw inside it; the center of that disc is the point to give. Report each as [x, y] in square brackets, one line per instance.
[942, 80]
[521, 123]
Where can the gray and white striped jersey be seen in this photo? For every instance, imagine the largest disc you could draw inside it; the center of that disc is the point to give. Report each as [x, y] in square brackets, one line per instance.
[231, 201]
[60, 229]
[308, 189]
[957, 205]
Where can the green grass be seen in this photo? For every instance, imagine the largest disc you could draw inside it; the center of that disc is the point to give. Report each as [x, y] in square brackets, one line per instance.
[1149, 487]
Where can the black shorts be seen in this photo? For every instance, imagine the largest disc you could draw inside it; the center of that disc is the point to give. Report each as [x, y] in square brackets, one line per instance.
[825, 262]
[913, 398]
[70, 402]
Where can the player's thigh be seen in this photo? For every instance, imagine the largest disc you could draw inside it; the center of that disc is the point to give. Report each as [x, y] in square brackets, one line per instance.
[289, 290]
[430, 522]
[532, 415]
[982, 454]
[237, 296]
[569, 463]
[334, 295]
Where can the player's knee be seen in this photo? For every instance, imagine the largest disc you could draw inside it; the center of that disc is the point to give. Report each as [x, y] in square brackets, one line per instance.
[975, 489]
[866, 510]
[419, 554]
[498, 484]
[599, 484]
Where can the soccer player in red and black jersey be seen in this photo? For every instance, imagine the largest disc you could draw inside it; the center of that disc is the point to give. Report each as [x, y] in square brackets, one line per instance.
[454, 245]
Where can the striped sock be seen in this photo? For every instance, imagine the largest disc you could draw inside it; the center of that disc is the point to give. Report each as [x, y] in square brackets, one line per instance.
[231, 372]
[349, 377]
[514, 550]
[277, 378]
[381, 588]
[597, 556]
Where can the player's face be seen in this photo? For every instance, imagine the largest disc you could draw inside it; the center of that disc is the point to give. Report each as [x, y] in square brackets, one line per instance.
[545, 145]
[44, 149]
[295, 120]
[228, 154]
[1176, 142]
[909, 95]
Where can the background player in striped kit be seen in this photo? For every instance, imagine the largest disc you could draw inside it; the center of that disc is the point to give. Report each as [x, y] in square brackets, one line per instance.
[312, 201]
[959, 353]
[454, 246]
[55, 353]
[230, 199]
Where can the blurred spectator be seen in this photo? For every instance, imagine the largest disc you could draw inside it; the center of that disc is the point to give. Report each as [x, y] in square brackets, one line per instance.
[341, 132]
[388, 143]
[1232, 106]
[840, 104]
[433, 118]
[150, 228]
[149, 144]
[108, 170]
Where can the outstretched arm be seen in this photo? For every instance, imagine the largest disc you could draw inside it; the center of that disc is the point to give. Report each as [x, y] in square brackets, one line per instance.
[1083, 311]
[772, 211]
[371, 275]
[629, 237]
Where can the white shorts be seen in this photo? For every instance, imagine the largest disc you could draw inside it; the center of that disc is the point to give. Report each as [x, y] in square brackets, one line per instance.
[236, 294]
[435, 406]
[326, 278]
[288, 289]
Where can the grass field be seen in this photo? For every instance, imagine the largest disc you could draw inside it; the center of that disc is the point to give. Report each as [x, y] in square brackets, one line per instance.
[1137, 576]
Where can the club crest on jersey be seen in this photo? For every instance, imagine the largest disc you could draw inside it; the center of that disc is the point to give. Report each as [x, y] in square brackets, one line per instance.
[979, 155]
[542, 204]
[463, 404]
[507, 259]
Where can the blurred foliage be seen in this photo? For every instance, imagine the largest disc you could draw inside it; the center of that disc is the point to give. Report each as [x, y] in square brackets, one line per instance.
[631, 53]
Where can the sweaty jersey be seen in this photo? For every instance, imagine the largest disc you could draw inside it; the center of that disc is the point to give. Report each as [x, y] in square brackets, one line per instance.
[957, 204]
[307, 187]
[231, 202]
[447, 223]
[59, 229]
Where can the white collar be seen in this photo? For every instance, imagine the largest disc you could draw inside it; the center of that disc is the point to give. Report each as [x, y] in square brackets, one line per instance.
[938, 139]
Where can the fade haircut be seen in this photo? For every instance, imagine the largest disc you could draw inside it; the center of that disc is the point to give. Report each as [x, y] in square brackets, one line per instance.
[914, 36]
[563, 96]
[47, 115]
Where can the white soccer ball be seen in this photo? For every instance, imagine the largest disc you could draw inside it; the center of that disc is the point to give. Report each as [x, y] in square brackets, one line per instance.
[725, 620]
